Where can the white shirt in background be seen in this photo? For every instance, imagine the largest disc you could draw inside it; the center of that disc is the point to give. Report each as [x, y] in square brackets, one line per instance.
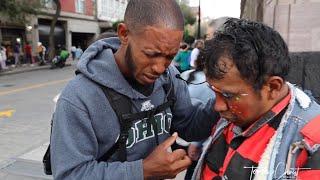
[193, 57]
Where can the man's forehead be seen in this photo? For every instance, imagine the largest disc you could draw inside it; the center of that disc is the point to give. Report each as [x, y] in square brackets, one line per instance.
[230, 79]
[162, 37]
[162, 32]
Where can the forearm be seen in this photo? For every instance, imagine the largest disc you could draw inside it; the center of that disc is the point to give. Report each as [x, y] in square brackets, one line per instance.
[199, 123]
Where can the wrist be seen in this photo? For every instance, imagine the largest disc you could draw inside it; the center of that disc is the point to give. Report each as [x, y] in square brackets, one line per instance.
[146, 173]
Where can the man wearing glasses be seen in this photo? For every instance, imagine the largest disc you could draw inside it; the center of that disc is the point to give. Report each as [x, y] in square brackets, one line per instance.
[269, 129]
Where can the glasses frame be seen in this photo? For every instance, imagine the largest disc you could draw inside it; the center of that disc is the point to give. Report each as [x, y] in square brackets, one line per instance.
[228, 97]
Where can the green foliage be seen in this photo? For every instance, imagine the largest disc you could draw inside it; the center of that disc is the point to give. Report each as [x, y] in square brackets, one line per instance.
[17, 10]
[189, 17]
[187, 37]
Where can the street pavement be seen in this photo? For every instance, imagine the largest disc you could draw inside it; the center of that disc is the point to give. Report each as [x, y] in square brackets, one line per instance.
[26, 106]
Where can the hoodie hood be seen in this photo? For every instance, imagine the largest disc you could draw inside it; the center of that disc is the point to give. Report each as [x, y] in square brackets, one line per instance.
[97, 63]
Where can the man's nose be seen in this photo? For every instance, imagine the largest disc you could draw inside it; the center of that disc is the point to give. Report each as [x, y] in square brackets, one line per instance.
[220, 105]
[160, 65]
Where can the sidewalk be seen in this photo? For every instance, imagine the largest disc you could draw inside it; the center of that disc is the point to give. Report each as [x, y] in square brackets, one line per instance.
[28, 68]
[28, 166]
[22, 69]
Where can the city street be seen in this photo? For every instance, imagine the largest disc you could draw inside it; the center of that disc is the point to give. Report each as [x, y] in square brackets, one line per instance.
[26, 106]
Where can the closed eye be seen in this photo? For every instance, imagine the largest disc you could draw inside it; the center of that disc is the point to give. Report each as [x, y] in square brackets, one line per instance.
[227, 95]
[152, 54]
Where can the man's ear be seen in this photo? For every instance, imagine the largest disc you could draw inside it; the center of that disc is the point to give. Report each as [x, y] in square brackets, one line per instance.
[274, 85]
[123, 33]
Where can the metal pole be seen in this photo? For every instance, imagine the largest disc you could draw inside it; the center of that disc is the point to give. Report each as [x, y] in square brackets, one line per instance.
[199, 20]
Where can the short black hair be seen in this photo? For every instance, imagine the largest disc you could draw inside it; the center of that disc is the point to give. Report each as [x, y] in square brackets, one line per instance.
[142, 13]
[257, 50]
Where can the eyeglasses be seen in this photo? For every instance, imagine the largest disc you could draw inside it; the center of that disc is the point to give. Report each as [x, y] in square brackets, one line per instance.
[229, 97]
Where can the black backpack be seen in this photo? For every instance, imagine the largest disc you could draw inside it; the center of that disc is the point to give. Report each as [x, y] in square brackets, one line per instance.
[122, 106]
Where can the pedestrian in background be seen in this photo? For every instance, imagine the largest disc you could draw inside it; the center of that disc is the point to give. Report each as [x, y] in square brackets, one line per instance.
[41, 50]
[78, 53]
[182, 58]
[195, 52]
[28, 53]
[16, 53]
[73, 52]
[3, 57]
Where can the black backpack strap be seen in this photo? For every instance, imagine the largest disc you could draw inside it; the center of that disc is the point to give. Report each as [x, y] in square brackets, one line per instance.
[76, 72]
[121, 105]
[46, 160]
[169, 90]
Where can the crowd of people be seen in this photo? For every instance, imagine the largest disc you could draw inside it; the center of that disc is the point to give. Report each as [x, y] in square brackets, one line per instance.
[127, 105]
[187, 56]
[12, 56]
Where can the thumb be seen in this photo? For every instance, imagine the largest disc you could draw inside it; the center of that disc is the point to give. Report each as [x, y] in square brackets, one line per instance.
[168, 142]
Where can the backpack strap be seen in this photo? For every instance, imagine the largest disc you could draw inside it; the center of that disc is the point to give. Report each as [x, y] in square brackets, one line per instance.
[169, 90]
[122, 106]
[46, 160]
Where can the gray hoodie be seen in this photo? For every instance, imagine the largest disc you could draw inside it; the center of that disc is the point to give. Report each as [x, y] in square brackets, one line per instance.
[85, 126]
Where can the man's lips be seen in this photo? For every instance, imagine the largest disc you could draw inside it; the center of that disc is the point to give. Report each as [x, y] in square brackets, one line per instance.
[153, 77]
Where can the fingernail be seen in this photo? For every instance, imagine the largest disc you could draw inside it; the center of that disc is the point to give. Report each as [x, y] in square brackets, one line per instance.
[175, 134]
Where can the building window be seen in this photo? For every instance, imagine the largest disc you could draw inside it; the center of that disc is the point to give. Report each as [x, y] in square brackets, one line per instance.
[47, 3]
[80, 6]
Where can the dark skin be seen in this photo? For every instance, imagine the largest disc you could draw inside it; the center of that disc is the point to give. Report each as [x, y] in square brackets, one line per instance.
[144, 55]
[246, 104]
[152, 50]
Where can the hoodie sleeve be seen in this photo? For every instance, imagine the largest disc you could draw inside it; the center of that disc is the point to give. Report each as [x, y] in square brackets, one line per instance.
[192, 122]
[74, 149]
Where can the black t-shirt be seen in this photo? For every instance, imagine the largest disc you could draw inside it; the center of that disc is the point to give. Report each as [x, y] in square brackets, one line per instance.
[143, 89]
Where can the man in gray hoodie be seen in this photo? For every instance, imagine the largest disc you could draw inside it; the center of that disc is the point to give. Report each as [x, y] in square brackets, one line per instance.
[136, 65]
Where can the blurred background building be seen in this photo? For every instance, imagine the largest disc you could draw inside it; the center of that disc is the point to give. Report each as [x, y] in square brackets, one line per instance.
[297, 20]
[81, 20]
[78, 23]
[299, 24]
